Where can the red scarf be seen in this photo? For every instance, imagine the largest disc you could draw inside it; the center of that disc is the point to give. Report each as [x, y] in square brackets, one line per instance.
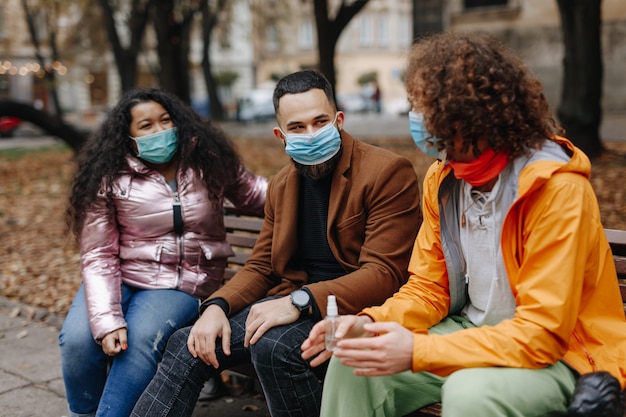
[481, 170]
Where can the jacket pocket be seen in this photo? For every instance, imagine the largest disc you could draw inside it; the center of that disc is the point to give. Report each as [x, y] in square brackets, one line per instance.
[121, 188]
[216, 250]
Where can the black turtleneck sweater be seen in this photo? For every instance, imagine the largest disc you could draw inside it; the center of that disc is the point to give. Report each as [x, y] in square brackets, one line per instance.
[314, 254]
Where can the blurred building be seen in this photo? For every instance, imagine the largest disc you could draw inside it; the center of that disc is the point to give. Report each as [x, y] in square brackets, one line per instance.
[533, 29]
[373, 45]
[258, 41]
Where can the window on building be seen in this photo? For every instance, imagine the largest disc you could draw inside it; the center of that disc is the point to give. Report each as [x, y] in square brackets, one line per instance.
[427, 17]
[306, 34]
[484, 3]
[366, 37]
[2, 17]
[272, 42]
[223, 36]
[404, 31]
[383, 30]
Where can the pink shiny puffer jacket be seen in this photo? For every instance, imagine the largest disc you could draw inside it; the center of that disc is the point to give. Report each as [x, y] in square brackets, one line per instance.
[140, 248]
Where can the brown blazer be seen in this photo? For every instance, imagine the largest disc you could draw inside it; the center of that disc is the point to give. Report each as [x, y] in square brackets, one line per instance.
[373, 218]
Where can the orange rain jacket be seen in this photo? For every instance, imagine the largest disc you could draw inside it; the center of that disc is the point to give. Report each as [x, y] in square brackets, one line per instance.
[559, 265]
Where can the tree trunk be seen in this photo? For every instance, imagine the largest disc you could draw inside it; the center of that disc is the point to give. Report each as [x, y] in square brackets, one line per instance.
[173, 50]
[51, 125]
[49, 74]
[328, 32]
[209, 20]
[580, 110]
[126, 57]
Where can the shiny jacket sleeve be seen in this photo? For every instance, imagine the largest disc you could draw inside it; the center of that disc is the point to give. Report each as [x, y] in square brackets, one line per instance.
[100, 266]
[247, 193]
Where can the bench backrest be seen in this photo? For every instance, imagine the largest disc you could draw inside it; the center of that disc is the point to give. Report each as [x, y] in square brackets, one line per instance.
[243, 231]
[617, 240]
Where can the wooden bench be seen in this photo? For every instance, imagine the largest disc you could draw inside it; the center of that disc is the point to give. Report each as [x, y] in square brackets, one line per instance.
[243, 231]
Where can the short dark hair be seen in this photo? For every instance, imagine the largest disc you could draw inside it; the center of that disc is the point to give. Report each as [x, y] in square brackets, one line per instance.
[300, 82]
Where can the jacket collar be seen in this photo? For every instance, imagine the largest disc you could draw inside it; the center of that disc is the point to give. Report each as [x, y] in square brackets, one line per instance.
[135, 165]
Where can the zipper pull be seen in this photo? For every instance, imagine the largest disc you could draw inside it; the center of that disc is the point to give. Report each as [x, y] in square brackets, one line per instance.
[466, 279]
[178, 215]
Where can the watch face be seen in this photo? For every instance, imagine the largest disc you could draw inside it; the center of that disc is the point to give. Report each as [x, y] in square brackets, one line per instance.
[300, 298]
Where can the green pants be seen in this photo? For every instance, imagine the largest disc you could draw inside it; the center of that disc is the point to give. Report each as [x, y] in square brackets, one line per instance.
[471, 392]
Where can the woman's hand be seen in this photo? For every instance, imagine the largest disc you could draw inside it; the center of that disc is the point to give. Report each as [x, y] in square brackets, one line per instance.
[115, 342]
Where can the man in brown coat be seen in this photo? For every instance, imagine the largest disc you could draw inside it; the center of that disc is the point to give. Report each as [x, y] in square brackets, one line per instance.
[341, 219]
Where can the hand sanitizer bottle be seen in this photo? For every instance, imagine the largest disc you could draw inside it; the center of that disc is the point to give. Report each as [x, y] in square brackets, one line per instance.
[331, 322]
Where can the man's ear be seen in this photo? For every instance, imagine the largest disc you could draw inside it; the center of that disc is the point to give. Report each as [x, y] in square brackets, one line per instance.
[340, 118]
[279, 134]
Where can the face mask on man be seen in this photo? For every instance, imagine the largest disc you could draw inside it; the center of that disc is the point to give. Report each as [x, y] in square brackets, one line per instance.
[313, 148]
[159, 147]
[419, 135]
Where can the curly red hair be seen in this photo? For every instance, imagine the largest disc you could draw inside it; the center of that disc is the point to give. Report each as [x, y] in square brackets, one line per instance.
[471, 86]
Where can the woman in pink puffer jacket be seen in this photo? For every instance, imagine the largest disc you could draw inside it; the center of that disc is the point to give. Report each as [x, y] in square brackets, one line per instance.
[147, 207]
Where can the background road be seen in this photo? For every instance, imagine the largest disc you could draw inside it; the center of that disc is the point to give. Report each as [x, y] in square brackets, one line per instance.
[363, 126]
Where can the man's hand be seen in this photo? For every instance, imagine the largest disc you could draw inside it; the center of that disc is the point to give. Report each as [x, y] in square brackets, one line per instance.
[115, 342]
[212, 324]
[388, 353]
[349, 326]
[263, 316]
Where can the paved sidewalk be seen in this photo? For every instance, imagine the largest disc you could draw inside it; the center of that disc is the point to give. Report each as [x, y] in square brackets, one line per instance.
[30, 370]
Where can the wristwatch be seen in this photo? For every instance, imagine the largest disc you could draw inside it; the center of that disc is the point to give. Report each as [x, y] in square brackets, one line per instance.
[301, 300]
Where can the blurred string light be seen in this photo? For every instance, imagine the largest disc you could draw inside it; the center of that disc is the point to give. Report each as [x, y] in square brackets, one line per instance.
[7, 67]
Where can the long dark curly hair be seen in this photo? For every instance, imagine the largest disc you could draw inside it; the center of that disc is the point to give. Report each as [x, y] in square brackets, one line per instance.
[202, 147]
[472, 86]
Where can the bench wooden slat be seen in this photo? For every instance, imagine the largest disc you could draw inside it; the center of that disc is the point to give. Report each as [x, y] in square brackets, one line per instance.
[241, 240]
[242, 223]
[228, 273]
[617, 240]
[243, 231]
[239, 258]
[620, 266]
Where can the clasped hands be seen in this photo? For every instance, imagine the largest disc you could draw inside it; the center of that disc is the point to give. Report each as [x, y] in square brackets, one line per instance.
[115, 342]
[371, 348]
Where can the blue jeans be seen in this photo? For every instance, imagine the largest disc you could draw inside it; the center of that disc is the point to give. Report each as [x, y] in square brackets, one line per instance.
[100, 385]
[290, 385]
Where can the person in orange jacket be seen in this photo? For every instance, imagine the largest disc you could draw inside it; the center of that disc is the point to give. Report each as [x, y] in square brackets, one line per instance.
[512, 293]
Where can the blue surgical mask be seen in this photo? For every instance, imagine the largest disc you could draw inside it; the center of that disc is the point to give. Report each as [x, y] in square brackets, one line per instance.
[313, 148]
[159, 147]
[419, 135]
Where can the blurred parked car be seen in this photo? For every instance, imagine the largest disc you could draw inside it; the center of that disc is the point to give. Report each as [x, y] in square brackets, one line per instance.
[352, 103]
[256, 106]
[202, 106]
[8, 124]
[398, 107]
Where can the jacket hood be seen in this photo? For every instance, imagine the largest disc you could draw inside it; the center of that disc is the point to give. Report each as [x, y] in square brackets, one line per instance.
[556, 155]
